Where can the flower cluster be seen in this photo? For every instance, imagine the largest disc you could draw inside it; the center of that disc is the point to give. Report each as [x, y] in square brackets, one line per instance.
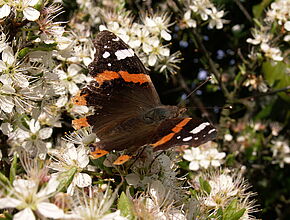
[24, 9]
[146, 38]
[276, 17]
[222, 194]
[204, 156]
[281, 152]
[198, 11]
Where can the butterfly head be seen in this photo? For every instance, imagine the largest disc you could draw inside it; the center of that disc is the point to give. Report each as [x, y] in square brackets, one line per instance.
[163, 112]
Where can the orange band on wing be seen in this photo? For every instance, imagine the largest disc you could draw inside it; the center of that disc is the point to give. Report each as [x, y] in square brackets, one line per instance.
[106, 75]
[99, 153]
[79, 99]
[80, 123]
[136, 78]
[163, 140]
[122, 159]
[180, 125]
[175, 130]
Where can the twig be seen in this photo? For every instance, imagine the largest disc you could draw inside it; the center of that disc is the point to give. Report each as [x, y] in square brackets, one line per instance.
[244, 10]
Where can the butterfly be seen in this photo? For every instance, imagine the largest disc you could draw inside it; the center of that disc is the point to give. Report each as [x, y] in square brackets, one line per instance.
[128, 113]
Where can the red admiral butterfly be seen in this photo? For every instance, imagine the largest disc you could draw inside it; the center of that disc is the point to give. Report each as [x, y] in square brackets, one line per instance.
[128, 113]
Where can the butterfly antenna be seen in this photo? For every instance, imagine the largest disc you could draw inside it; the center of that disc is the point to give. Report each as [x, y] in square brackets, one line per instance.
[196, 88]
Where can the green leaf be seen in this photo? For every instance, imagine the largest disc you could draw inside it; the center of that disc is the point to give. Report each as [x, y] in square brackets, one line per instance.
[66, 179]
[204, 185]
[4, 179]
[259, 8]
[13, 168]
[23, 52]
[126, 207]
[231, 213]
[277, 76]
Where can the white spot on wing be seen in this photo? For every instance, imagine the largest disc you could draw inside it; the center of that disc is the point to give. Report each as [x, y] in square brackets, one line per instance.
[210, 131]
[106, 47]
[106, 54]
[178, 137]
[187, 138]
[196, 138]
[199, 128]
[109, 64]
[116, 39]
[123, 54]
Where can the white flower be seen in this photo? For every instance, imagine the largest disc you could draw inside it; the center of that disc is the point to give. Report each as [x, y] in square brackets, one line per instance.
[203, 157]
[271, 52]
[71, 78]
[155, 50]
[4, 10]
[32, 138]
[6, 90]
[222, 188]
[194, 156]
[12, 67]
[281, 152]
[189, 22]
[26, 6]
[216, 20]
[72, 158]
[201, 7]
[96, 205]
[27, 197]
[158, 24]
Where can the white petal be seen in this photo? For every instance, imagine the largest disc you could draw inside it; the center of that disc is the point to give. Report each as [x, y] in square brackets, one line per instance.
[49, 210]
[215, 163]
[73, 88]
[157, 191]
[2, 65]
[61, 101]
[8, 56]
[83, 180]
[31, 14]
[194, 165]
[165, 35]
[287, 26]
[72, 153]
[204, 163]
[25, 214]
[21, 80]
[164, 52]
[83, 158]
[9, 202]
[32, 2]
[7, 89]
[147, 48]
[73, 69]
[34, 126]
[50, 187]
[152, 59]
[6, 128]
[71, 188]
[45, 133]
[4, 11]
[114, 216]
[6, 104]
